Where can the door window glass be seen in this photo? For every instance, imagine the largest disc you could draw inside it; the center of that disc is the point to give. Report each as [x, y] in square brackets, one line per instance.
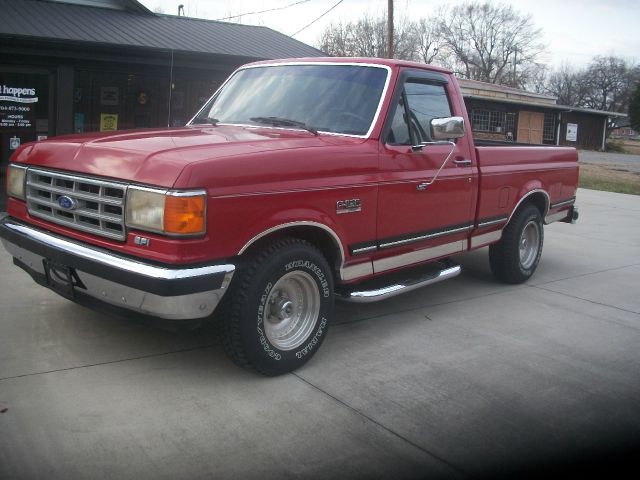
[399, 132]
[426, 101]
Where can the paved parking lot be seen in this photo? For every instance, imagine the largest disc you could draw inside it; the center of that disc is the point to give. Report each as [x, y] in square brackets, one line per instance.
[467, 378]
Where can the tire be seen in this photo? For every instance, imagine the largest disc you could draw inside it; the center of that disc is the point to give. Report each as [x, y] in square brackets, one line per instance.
[280, 308]
[516, 256]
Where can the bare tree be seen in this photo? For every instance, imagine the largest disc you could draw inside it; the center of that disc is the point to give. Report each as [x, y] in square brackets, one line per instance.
[427, 39]
[334, 40]
[491, 43]
[538, 78]
[405, 40]
[568, 85]
[610, 81]
[479, 41]
[367, 37]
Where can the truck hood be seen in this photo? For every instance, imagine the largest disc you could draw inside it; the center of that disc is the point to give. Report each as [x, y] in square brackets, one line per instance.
[157, 157]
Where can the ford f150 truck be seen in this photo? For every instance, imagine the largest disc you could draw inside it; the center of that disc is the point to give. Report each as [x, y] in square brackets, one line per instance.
[299, 181]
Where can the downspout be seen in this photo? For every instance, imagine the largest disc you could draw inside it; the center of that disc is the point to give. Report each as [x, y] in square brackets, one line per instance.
[604, 134]
[558, 129]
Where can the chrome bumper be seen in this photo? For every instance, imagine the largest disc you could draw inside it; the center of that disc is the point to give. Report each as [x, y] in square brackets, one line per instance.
[160, 291]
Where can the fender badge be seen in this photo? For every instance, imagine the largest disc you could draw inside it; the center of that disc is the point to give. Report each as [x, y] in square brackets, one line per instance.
[142, 241]
[348, 206]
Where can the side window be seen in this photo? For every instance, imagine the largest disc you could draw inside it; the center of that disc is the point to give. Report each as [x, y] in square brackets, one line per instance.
[425, 101]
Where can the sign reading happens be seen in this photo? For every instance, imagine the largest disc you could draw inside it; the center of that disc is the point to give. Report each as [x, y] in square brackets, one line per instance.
[16, 110]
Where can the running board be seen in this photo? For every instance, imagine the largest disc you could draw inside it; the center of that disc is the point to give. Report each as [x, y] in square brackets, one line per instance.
[383, 288]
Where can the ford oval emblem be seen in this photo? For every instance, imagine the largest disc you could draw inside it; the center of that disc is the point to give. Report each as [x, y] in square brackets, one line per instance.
[67, 203]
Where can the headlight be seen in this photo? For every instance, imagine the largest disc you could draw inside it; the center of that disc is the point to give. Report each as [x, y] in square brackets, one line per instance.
[16, 175]
[168, 212]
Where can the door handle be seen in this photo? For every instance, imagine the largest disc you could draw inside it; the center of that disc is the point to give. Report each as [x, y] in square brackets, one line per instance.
[463, 162]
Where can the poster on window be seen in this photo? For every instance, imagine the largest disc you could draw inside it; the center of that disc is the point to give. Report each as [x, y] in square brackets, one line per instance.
[572, 132]
[109, 96]
[108, 122]
[17, 106]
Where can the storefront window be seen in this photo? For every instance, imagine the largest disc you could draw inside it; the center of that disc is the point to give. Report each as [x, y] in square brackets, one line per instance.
[24, 114]
[110, 101]
[24, 110]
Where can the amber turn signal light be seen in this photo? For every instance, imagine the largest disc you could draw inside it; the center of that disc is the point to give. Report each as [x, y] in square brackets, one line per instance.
[184, 213]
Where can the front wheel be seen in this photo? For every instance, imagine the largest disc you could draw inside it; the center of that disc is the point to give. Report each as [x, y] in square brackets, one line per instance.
[516, 256]
[280, 308]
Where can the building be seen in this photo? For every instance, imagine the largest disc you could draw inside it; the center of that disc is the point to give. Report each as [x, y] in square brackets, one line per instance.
[502, 113]
[74, 66]
[625, 131]
[70, 66]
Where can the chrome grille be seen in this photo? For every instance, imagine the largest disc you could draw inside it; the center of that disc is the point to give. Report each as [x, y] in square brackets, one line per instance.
[92, 205]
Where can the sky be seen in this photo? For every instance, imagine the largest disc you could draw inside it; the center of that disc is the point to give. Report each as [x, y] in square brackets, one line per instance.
[574, 30]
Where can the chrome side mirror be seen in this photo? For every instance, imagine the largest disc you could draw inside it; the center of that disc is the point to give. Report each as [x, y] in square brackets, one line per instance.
[447, 128]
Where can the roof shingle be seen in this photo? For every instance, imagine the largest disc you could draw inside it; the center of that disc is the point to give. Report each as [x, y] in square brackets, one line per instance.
[42, 20]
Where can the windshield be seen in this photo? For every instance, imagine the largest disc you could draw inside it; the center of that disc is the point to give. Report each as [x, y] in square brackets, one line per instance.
[328, 98]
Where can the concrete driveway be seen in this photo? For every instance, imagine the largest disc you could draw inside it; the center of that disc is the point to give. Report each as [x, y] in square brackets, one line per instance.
[467, 378]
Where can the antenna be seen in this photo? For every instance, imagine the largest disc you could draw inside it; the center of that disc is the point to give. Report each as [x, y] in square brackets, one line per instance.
[170, 90]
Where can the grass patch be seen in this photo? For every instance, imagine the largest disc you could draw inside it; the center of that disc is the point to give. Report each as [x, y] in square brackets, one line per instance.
[625, 145]
[609, 178]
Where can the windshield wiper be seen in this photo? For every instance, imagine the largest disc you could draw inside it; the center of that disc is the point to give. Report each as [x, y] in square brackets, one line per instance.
[283, 122]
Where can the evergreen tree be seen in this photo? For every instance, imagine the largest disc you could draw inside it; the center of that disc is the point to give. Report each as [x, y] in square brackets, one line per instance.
[634, 109]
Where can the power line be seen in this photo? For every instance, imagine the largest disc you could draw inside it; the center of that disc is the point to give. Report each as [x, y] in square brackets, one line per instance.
[317, 18]
[264, 11]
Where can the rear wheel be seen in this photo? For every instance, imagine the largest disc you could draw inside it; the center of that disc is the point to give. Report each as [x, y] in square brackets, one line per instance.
[516, 256]
[280, 308]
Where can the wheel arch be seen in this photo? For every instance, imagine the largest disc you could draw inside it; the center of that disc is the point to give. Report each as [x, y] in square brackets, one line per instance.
[319, 235]
[537, 197]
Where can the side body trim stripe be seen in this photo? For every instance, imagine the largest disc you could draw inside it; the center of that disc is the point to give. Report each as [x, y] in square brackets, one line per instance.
[367, 247]
[562, 203]
[487, 222]
[480, 240]
[418, 256]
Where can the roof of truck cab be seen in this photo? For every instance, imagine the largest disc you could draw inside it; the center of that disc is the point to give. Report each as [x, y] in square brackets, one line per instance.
[388, 62]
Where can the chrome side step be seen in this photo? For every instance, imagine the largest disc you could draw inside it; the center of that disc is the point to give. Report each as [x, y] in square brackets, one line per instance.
[381, 289]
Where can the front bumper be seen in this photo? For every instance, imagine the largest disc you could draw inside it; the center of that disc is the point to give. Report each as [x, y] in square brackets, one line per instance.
[162, 291]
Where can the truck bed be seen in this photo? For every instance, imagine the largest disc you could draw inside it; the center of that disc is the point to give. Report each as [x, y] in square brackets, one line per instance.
[508, 172]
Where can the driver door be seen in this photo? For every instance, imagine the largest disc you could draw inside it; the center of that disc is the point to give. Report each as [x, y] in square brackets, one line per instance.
[418, 220]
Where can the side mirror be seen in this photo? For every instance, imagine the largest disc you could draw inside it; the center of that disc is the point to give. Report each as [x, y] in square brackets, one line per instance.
[447, 128]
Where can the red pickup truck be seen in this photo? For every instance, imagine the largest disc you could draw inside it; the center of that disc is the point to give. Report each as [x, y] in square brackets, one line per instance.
[299, 181]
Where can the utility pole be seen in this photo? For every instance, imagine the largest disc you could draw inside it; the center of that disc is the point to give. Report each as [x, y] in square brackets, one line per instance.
[389, 28]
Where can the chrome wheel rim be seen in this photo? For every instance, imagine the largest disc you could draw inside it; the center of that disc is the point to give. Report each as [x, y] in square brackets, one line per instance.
[529, 244]
[292, 310]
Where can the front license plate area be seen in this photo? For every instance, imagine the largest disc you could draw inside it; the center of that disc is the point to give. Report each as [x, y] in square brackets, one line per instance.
[60, 278]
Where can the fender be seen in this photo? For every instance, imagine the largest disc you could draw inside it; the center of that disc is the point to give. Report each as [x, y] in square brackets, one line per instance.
[527, 191]
[493, 236]
[351, 272]
[299, 223]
